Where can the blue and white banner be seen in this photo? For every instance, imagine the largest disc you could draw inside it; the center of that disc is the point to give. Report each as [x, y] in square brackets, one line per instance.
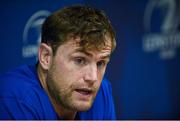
[145, 67]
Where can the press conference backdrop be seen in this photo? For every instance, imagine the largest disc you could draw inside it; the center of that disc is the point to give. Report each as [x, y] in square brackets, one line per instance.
[145, 67]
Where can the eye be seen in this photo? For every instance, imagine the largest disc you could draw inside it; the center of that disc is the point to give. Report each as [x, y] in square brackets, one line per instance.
[80, 61]
[101, 64]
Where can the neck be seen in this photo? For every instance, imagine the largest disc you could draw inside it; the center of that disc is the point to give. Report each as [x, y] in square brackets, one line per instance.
[60, 110]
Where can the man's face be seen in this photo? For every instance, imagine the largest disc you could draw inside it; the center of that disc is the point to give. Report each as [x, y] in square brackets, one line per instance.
[75, 75]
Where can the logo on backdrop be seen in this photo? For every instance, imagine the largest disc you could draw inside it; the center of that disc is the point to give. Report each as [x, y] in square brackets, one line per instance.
[166, 39]
[32, 33]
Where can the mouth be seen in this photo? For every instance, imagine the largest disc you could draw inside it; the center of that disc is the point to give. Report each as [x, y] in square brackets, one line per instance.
[84, 93]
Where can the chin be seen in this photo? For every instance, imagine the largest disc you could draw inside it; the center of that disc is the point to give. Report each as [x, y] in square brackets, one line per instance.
[83, 106]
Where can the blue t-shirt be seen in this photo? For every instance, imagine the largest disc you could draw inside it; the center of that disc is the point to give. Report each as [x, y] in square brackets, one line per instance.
[23, 97]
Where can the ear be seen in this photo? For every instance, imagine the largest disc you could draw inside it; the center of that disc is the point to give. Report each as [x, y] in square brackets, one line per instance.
[45, 55]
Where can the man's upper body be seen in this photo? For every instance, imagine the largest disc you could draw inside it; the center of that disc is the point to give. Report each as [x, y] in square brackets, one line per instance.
[76, 46]
[23, 97]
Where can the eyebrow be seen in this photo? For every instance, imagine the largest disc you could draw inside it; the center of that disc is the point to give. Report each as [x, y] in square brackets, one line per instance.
[106, 56]
[83, 51]
[89, 54]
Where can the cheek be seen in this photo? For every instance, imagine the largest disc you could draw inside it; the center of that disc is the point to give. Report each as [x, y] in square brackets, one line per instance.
[71, 71]
[101, 74]
[65, 74]
[100, 77]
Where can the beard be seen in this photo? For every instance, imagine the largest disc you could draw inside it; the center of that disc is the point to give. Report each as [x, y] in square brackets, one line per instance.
[64, 95]
[60, 95]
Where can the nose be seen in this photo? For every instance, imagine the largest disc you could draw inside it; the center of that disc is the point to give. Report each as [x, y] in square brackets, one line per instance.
[91, 73]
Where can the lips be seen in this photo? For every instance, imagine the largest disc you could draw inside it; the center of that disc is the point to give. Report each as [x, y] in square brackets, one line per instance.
[84, 91]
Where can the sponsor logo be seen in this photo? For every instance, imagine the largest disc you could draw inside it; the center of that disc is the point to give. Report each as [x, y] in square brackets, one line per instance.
[32, 33]
[166, 39]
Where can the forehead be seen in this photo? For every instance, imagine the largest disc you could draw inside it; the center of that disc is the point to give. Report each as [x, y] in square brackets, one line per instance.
[73, 46]
[89, 45]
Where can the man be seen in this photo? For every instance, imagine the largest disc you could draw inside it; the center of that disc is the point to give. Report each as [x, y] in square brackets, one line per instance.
[66, 83]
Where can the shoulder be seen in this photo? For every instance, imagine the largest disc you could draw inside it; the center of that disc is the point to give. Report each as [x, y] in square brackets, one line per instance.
[21, 95]
[104, 93]
[16, 82]
[104, 97]
[106, 86]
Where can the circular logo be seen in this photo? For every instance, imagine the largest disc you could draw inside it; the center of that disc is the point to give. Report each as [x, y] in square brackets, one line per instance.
[32, 33]
[167, 38]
